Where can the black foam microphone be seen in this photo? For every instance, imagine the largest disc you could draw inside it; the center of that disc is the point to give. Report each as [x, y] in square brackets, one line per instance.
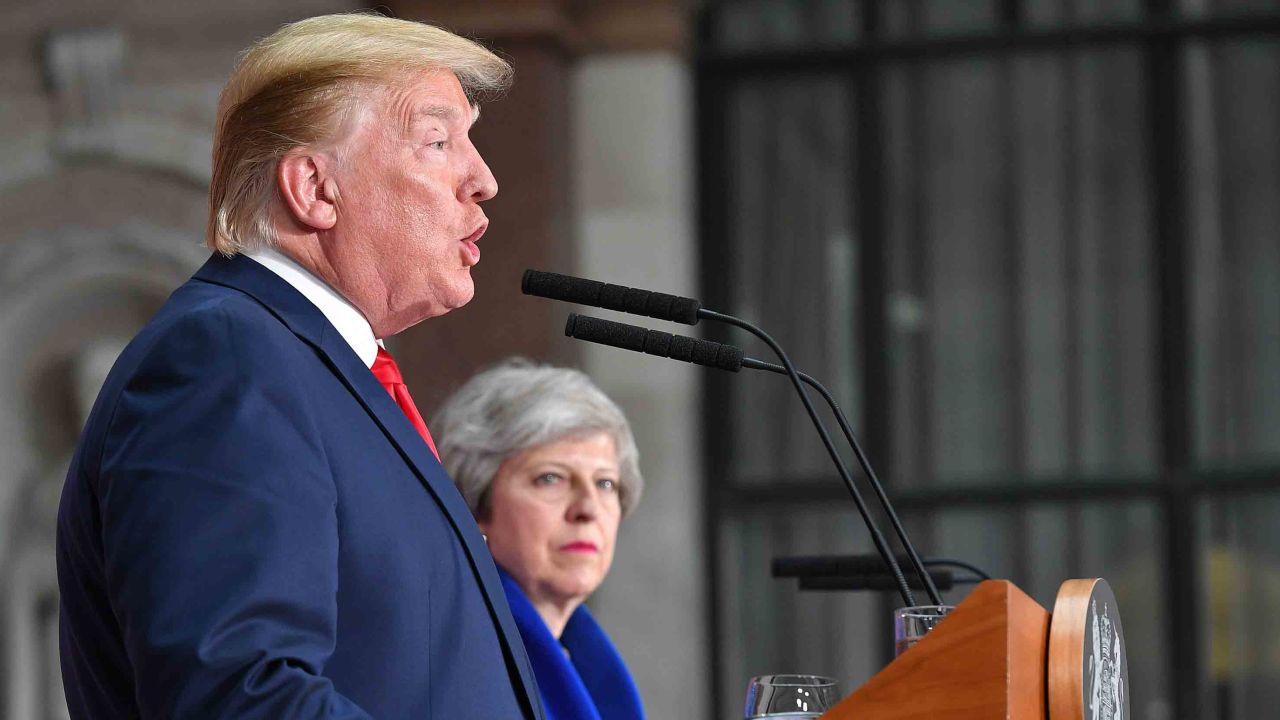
[610, 297]
[653, 342]
[631, 337]
[689, 311]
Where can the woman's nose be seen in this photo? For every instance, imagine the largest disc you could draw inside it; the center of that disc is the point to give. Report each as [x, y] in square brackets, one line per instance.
[585, 505]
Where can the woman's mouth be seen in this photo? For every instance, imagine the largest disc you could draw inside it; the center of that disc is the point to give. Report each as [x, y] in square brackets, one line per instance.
[580, 546]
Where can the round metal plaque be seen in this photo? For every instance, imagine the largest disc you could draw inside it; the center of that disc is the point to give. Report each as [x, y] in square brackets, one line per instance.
[1088, 663]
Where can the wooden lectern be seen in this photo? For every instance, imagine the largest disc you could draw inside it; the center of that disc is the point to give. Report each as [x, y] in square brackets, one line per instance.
[999, 656]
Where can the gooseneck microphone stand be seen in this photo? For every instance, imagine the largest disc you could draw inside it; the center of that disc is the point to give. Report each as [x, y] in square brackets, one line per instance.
[877, 537]
[688, 311]
[916, 563]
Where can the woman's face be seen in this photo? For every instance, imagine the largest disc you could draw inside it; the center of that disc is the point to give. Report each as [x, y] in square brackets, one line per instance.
[553, 517]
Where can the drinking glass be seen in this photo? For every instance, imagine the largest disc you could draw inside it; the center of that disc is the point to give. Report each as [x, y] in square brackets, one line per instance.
[789, 696]
[910, 624]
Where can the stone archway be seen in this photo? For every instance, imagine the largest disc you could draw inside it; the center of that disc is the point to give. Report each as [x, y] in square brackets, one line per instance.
[87, 254]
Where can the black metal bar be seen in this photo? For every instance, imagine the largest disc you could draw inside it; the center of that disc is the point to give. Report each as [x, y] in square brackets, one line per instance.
[871, 231]
[797, 495]
[1072, 400]
[1015, 335]
[869, 210]
[942, 579]
[873, 269]
[794, 492]
[1166, 158]
[712, 154]
[753, 62]
[921, 272]
[1181, 596]
[1010, 17]
[1179, 487]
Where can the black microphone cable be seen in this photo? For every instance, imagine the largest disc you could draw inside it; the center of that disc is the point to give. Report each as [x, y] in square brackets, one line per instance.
[881, 545]
[883, 497]
[640, 339]
[688, 311]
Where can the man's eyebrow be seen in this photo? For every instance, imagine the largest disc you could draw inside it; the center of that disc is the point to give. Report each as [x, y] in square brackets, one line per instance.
[444, 112]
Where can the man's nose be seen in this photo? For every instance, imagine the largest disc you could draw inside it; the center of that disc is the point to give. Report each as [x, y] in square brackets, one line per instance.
[481, 185]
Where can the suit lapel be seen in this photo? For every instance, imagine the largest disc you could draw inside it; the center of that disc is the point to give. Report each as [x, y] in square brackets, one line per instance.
[306, 321]
[392, 419]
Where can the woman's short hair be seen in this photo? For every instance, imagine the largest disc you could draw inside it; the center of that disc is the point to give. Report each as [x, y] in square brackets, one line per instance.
[293, 88]
[516, 406]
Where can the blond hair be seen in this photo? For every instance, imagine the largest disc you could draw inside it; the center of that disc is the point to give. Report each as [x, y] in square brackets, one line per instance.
[292, 88]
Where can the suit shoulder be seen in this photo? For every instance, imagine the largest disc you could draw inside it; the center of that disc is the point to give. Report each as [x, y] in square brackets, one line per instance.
[220, 309]
[204, 337]
[205, 323]
[207, 344]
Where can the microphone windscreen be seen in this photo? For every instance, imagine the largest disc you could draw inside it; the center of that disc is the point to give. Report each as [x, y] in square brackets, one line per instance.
[560, 287]
[604, 332]
[653, 342]
[610, 297]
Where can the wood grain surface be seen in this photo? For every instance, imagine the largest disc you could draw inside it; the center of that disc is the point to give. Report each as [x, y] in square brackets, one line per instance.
[986, 661]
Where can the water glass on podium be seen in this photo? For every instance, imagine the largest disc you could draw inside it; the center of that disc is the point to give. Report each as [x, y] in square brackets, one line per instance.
[789, 696]
[910, 624]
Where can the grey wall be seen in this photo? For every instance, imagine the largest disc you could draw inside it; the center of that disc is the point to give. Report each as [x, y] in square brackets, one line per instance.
[632, 150]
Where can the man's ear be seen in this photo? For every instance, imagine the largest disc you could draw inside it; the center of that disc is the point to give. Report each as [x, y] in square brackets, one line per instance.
[309, 193]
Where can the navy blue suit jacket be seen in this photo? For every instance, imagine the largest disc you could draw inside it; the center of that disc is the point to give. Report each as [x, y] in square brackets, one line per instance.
[251, 528]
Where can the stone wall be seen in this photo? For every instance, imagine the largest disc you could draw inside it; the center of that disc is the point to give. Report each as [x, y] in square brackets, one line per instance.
[106, 117]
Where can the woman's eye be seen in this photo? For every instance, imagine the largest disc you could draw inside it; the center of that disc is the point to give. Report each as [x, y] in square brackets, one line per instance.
[547, 479]
[607, 485]
[438, 145]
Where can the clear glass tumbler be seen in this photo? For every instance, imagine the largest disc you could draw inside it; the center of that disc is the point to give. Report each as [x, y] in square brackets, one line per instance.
[789, 696]
[910, 624]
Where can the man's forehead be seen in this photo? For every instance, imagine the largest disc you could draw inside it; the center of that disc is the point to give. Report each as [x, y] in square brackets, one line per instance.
[435, 95]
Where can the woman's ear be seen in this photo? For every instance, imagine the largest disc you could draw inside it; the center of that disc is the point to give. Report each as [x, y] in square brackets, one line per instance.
[309, 193]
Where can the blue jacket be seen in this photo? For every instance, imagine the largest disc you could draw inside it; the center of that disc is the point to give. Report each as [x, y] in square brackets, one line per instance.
[251, 528]
[581, 675]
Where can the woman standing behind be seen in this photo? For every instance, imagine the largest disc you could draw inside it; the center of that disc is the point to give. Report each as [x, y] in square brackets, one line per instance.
[548, 465]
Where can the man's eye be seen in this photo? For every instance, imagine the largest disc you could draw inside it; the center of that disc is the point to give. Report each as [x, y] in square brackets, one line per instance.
[439, 144]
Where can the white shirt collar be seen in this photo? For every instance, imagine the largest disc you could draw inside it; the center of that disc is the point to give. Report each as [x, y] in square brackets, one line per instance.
[344, 316]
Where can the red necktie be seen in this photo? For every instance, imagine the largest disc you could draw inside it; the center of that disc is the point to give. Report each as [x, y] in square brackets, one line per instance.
[388, 373]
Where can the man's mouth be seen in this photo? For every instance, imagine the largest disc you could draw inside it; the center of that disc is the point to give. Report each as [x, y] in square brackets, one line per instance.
[470, 246]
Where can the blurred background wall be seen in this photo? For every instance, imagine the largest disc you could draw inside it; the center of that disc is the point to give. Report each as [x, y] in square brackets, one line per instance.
[1031, 245]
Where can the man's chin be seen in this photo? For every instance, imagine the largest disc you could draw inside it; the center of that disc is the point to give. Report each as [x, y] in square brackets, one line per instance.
[466, 290]
[460, 298]
[438, 309]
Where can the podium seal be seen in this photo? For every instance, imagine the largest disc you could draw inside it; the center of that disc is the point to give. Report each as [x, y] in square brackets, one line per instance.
[1088, 663]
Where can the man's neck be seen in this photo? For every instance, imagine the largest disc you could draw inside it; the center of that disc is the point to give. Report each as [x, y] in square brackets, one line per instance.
[345, 317]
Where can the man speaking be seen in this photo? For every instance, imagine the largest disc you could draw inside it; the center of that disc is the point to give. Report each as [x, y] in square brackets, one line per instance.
[255, 524]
